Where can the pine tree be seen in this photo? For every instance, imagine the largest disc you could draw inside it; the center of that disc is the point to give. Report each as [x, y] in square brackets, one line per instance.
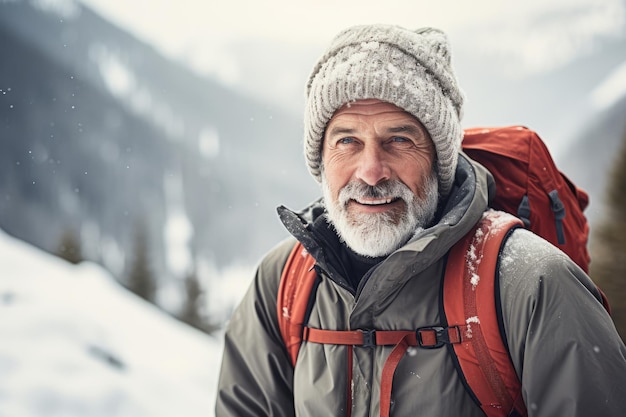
[608, 268]
[193, 310]
[192, 305]
[69, 247]
[140, 280]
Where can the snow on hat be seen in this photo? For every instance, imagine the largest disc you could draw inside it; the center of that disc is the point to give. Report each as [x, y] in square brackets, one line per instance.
[410, 69]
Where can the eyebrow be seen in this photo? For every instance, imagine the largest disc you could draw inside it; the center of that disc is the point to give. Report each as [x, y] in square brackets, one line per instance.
[338, 130]
[405, 128]
[409, 128]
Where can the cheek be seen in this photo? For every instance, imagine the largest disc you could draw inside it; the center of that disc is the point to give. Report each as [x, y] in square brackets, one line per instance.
[336, 175]
[415, 175]
[332, 189]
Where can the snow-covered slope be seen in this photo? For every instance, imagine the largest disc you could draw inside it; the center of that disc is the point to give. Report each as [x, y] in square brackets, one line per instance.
[73, 342]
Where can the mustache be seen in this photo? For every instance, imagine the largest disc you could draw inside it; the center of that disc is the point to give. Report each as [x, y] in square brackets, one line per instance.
[393, 189]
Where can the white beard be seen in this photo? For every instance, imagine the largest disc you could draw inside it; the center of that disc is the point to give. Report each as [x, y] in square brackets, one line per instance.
[379, 234]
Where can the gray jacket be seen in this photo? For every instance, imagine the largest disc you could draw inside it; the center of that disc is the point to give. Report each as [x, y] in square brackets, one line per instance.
[563, 344]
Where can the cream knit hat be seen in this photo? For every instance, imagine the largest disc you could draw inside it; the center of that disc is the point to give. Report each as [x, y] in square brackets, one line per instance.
[410, 69]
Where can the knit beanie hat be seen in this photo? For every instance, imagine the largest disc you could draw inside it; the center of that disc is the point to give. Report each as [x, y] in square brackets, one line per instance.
[410, 69]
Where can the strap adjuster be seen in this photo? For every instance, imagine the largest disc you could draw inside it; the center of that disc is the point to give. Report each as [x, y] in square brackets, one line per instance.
[369, 338]
[434, 337]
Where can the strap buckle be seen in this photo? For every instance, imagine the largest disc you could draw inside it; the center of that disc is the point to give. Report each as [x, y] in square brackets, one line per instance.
[434, 337]
[369, 338]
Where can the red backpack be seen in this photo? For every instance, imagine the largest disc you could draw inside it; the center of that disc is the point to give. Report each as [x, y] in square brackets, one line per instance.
[542, 199]
[529, 186]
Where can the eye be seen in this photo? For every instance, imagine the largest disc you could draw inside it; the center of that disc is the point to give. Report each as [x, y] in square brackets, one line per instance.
[400, 142]
[400, 139]
[346, 140]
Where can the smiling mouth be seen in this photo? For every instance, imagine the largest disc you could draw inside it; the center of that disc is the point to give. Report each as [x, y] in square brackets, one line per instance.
[376, 202]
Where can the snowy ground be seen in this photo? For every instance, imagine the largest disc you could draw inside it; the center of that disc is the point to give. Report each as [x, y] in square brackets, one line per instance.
[74, 343]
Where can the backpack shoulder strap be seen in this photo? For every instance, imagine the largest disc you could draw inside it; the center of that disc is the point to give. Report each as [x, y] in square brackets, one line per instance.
[296, 284]
[483, 359]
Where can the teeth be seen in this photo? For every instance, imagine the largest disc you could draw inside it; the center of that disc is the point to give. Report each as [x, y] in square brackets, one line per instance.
[375, 202]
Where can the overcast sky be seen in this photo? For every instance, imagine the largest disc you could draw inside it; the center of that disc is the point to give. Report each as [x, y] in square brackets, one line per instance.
[194, 28]
[177, 23]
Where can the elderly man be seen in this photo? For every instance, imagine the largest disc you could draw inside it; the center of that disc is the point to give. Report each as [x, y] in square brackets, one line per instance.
[383, 137]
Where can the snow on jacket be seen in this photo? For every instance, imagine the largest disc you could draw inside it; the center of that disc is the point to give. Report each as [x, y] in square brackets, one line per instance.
[563, 344]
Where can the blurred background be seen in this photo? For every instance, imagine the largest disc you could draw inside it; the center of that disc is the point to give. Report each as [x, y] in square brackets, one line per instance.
[144, 147]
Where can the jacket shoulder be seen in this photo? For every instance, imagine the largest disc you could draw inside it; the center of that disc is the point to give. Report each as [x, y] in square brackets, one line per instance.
[532, 267]
[269, 271]
[559, 335]
[274, 260]
[526, 259]
[540, 285]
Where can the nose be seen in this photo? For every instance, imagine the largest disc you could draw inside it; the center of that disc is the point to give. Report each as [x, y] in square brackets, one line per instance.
[372, 166]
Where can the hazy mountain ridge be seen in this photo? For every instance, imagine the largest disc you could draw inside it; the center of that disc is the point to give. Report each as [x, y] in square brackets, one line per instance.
[590, 159]
[556, 103]
[91, 150]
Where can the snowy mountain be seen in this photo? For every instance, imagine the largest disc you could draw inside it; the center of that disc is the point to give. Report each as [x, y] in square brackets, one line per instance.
[101, 135]
[556, 103]
[76, 344]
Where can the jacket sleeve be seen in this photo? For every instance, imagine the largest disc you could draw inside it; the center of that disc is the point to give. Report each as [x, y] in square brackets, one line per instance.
[256, 374]
[564, 345]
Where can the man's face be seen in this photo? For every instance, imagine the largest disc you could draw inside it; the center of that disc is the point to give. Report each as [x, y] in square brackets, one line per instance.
[378, 179]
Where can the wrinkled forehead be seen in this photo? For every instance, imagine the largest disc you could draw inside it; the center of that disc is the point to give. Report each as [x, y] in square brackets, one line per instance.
[369, 106]
[368, 109]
